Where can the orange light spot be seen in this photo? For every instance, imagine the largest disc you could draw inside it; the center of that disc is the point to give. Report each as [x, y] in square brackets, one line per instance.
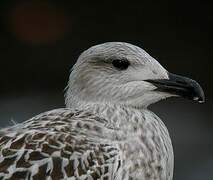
[38, 22]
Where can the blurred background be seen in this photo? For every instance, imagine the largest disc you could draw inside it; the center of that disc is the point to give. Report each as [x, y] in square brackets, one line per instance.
[41, 40]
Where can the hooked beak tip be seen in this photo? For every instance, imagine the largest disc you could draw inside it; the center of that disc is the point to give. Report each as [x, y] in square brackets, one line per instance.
[181, 86]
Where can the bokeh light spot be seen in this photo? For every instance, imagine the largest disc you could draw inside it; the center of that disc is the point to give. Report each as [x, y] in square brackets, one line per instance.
[38, 22]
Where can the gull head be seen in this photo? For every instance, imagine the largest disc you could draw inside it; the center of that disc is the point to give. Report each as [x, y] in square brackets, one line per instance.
[121, 73]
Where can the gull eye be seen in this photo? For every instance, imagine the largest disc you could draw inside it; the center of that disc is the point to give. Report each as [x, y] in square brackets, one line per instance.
[121, 64]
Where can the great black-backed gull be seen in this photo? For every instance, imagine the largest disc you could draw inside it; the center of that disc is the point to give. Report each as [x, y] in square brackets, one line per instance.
[106, 131]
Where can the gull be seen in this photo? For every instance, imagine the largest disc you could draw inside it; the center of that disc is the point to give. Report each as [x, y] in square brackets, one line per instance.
[106, 131]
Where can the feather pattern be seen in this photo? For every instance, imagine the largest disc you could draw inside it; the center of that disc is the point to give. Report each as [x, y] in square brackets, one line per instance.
[77, 144]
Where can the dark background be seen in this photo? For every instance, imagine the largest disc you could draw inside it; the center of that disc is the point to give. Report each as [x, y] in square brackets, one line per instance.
[41, 40]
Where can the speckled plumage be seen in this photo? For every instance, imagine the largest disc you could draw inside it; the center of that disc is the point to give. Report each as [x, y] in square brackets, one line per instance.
[106, 132]
[122, 144]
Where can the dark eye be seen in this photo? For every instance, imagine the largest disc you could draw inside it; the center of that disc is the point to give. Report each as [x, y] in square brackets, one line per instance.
[121, 64]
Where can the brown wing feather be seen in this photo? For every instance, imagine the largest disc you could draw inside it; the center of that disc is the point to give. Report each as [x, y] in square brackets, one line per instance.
[58, 144]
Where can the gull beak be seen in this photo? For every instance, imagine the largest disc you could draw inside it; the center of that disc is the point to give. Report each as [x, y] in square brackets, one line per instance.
[180, 86]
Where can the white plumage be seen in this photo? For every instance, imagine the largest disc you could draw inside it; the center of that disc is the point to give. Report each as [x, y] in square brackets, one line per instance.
[106, 132]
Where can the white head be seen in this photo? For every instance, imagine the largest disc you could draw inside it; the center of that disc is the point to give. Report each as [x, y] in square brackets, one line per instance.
[120, 73]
